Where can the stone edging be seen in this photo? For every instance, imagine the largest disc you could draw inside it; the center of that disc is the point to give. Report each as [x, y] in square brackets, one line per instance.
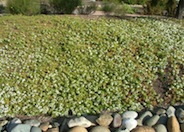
[157, 120]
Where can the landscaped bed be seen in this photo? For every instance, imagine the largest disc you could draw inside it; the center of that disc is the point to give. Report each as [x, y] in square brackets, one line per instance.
[53, 64]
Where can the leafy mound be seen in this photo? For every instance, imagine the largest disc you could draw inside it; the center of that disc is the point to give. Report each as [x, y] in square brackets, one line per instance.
[53, 64]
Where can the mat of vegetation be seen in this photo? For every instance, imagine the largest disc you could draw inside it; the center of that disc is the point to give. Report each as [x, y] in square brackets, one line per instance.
[53, 64]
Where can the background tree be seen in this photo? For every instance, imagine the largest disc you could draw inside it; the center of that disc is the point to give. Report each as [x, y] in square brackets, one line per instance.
[180, 9]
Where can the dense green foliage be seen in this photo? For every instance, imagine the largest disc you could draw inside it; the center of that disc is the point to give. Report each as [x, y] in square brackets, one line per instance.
[159, 6]
[142, 2]
[113, 1]
[25, 7]
[2, 8]
[51, 64]
[117, 8]
[65, 6]
[33, 7]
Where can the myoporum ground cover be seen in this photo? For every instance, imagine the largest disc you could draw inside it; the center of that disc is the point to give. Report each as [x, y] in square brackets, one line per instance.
[53, 64]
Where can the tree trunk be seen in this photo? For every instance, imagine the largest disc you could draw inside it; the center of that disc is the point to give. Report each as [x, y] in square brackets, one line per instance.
[180, 9]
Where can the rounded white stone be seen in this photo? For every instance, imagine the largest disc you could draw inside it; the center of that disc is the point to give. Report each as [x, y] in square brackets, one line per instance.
[129, 114]
[170, 111]
[129, 123]
[81, 121]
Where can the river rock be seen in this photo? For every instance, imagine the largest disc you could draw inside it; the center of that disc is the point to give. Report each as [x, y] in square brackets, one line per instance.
[35, 129]
[31, 122]
[182, 127]
[16, 121]
[180, 115]
[21, 128]
[54, 124]
[129, 114]
[105, 119]
[81, 121]
[3, 122]
[117, 121]
[64, 126]
[143, 129]
[160, 111]
[78, 129]
[124, 130]
[152, 121]
[143, 117]
[170, 111]
[163, 119]
[44, 126]
[173, 125]
[13, 123]
[91, 118]
[53, 129]
[129, 123]
[100, 129]
[160, 128]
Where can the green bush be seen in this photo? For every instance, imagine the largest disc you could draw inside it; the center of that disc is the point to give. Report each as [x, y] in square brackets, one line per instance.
[158, 7]
[128, 9]
[117, 8]
[141, 2]
[2, 8]
[109, 7]
[86, 9]
[25, 7]
[46, 8]
[171, 6]
[112, 1]
[65, 6]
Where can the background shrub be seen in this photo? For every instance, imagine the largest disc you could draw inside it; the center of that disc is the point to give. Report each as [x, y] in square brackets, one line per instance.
[171, 6]
[109, 7]
[65, 6]
[158, 7]
[46, 8]
[112, 1]
[2, 8]
[141, 2]
[25, 7]
[117, 8]
[86, 8]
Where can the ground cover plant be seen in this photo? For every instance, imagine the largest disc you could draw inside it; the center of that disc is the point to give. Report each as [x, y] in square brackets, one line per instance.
[53, 64]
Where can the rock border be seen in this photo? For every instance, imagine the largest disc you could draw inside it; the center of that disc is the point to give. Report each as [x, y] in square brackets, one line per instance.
[159, 119]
